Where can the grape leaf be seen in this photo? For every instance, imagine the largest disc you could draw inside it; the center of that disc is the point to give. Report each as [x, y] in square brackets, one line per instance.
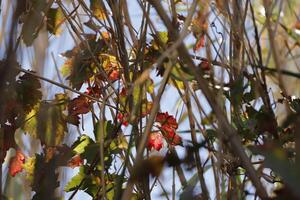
[55, 18]
[28, 92]
[47, 123]
[45, 178]
[33, 21]
[75, 181]
[97, 9]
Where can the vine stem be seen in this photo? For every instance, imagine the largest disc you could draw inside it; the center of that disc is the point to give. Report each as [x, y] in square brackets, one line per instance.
[230, 134]
[64, 86]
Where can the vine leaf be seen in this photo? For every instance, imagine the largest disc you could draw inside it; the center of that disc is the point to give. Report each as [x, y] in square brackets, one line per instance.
[28, 92]
[80, 65]
[45, 178]
[47, 123]
[79, 105]
[84, 181]
[97, 9]
[75, 181]
[80, 144]
[277, 158]
[33, 21]
[155, 141]
[55, 18]
[16, 163]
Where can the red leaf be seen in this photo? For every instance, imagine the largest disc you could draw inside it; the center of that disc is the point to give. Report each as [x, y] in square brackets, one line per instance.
[123, 92]
[170, 135]
[94, 91]
[204, 65]
[166, 119]
[123, 119]
[79, 105]
[16, 163]
[76, 161]
[114, 75]
[155, 141]
[174, 139]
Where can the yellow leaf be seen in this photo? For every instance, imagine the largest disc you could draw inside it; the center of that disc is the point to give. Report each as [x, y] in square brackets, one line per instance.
[55, 18]
[122, 142]
[98, 9]
[109, 62]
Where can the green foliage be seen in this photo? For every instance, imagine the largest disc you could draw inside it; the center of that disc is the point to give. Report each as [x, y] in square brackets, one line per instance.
[84, 181]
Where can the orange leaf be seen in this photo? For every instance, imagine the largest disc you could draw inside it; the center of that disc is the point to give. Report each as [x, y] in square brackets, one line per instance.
[16, 163]
[200, 43]
[114, 75]
[75, 161]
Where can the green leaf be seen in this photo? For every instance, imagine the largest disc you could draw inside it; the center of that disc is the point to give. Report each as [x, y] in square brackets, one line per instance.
[75, 181]
[47, 123]
[181, 73]
[55, 18]
[108, 130]
[90, 152]
[97, 9]
[81, 143]
[87, 182]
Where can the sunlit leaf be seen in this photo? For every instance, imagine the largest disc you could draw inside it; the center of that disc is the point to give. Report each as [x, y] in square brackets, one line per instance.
[47, 123]
[181, 73]
[75, 181]
[55, 18]
[122, 142]
[84, 181]
[28, 166]
[80, 66]
[80, 144]
[155, 141]
[16, 163]
[97, 9]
